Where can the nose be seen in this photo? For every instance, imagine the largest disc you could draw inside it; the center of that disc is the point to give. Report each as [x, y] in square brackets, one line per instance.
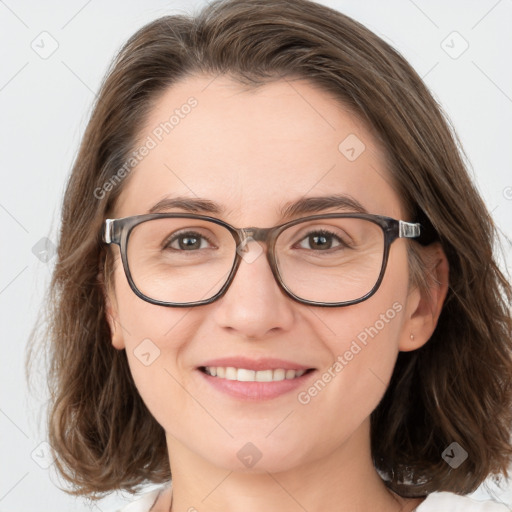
[254, 306]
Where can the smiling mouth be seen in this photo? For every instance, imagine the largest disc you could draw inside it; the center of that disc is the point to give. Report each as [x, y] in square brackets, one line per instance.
[245, 375]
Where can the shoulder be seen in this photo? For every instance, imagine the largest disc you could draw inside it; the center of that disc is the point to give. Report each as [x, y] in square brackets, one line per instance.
[449, 502]
[143, 503]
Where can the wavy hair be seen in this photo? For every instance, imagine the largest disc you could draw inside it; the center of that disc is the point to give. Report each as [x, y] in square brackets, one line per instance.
[456, 388]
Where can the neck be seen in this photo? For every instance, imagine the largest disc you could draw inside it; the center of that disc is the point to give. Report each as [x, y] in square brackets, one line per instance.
[343, 480]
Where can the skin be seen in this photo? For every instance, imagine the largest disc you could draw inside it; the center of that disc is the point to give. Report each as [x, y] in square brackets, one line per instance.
[252, 151]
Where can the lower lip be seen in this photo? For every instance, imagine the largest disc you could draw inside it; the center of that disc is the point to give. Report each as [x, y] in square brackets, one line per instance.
[255, 390]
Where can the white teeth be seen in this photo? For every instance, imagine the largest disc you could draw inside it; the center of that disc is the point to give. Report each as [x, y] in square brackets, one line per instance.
[290, 374]
[231, 373]
[264, 376]
[279, 374]
[244, 375]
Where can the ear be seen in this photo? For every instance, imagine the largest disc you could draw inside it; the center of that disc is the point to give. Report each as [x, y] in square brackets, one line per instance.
[424, 305]
[112, 314]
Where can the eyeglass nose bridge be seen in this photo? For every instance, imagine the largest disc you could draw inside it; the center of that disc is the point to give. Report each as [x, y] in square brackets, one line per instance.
[256, 234]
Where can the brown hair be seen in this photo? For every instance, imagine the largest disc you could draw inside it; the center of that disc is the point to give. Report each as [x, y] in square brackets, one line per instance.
[457, 388]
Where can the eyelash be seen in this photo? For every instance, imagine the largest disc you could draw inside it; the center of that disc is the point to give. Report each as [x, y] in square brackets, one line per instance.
[173, 238]
[328, 234]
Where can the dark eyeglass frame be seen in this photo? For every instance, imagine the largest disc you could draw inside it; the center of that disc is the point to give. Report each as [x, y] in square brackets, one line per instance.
[117, 231]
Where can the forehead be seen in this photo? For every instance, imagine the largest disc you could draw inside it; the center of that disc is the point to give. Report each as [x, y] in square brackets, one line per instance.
[252, 150]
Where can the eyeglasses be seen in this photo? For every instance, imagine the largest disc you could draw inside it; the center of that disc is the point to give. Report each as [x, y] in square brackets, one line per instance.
[183, 260]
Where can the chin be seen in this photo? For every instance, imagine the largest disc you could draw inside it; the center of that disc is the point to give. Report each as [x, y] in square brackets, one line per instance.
[256, 455]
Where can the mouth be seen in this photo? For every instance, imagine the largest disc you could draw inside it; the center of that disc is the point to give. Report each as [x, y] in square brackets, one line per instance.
[245, 379]
[247, 375]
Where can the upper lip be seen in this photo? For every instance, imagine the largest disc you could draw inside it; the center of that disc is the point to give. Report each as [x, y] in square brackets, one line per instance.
[255, 364]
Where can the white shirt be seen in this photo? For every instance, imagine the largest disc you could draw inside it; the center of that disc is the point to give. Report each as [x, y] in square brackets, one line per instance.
[449, 502]
[435, 502]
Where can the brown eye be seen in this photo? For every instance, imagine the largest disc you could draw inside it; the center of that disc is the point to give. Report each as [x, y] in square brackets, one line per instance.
[188, 241]
[321, 240]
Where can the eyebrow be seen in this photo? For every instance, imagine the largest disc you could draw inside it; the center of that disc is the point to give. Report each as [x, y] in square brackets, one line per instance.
[304, 205]
[189, 204]
[307, 205]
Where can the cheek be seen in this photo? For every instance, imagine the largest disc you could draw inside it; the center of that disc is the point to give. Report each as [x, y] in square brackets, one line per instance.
[363, 355]
[155, 339]
[363, 342]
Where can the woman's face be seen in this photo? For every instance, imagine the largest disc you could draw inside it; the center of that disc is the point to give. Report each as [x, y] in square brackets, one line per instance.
[252, 152]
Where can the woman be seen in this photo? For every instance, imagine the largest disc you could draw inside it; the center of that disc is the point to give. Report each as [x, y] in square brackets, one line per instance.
[275, 280]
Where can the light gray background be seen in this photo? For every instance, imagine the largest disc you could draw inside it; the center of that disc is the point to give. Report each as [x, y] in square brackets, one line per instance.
[45, 103]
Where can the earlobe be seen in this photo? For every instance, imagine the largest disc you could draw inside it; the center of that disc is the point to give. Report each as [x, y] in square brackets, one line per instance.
[112, 315]
[424, 305]
[115, 328]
